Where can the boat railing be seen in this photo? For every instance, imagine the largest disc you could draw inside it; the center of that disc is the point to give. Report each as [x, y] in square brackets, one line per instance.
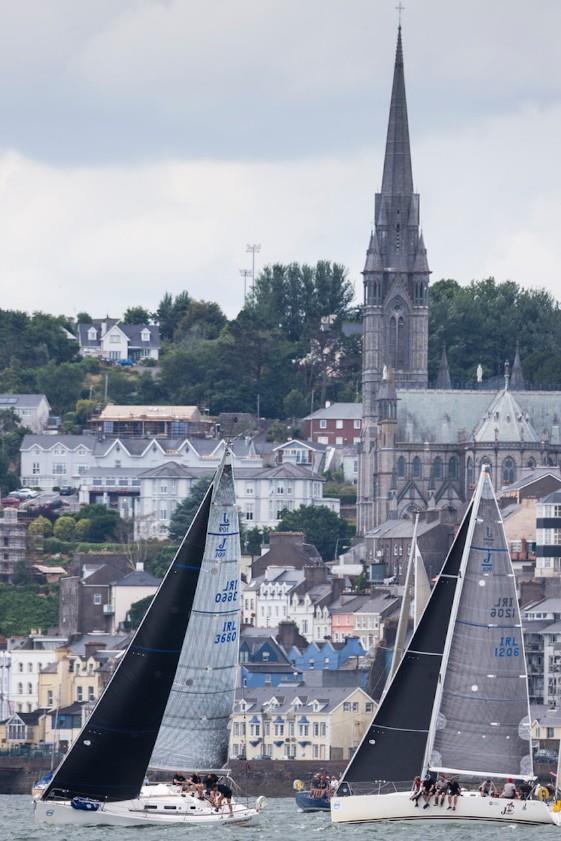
[347, 788]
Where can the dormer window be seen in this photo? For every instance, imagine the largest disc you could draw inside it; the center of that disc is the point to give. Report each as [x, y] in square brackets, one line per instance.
[145, 335]
[92, 334]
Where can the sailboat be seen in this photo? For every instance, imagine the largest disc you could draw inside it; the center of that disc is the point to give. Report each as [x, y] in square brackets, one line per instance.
[458, 701]
[168, 702]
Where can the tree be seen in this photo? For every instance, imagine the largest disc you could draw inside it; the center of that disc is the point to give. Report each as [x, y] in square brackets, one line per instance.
[294, 405]
[136, 315]
[62, 384]
[137, 612]
[82, 529]
[170, 312]
[322, 527]
[103, 522]
[65, 528]
[253, 542]
[185, 512]
[203, 320]
[40, 527]
[11, 436]
[84, 318]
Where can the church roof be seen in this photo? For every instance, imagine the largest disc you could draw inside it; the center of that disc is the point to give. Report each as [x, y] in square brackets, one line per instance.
[398, 174]
[505, 421]
[374, 262]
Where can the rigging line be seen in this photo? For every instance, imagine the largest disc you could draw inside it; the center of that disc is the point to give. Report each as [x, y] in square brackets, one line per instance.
[223, 533]
[488, 625]
[186, 566]
[155, 650]
[216, 612]
[377, 726]
[211, 668]
[428, 653]
[488, 549]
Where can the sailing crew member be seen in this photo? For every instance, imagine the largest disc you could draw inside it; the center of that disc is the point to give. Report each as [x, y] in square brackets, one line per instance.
[221, 793]
[428, 788]
[509, 790]
[524, 790]
[209, 781]
[196, 784]
[416, 791]
[178, 779]
[488, 789]
[440, 789]
[454, 791]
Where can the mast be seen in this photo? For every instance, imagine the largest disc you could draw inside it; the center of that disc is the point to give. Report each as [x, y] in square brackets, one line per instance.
[405, 612]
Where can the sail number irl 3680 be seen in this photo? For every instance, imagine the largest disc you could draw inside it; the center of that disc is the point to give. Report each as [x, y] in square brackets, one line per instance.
[229, 633]
[229, 593]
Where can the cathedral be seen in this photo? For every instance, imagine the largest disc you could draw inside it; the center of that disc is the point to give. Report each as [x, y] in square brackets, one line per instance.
[422, 447]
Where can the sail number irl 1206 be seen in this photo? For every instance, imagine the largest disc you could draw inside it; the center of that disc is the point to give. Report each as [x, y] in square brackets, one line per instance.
[508, 647]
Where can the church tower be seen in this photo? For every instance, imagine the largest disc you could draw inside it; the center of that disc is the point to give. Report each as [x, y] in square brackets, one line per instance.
[396, 279]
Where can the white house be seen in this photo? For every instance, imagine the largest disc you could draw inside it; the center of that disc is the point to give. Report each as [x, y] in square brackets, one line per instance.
[114, 340]
[33, 410]
[27, 658]
[133, 587]
[51, 460]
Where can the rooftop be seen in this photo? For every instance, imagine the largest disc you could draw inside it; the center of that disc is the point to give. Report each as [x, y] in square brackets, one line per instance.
[171, 413]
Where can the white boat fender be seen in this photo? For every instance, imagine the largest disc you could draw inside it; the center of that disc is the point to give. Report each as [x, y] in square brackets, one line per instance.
[297, 785]
[260, 803]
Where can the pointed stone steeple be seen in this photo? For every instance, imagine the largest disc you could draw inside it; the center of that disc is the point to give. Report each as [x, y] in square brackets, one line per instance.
[373, 257]
[443, 378]
[421, 265]
[398, 173]
[517, 375]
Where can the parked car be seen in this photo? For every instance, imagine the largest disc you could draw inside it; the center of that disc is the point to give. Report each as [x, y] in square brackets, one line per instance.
[126, 363]
[66, 490]
[545, 755]
[10, 500]
[24, 493]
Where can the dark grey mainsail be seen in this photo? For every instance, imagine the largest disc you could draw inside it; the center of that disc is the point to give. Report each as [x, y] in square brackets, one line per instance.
[194, 731]
[481, 719]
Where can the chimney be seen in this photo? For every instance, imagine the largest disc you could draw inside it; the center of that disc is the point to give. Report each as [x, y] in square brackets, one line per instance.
[316, 574]
[288, 634]
[92, 647]
[139, 566]
[327, 404]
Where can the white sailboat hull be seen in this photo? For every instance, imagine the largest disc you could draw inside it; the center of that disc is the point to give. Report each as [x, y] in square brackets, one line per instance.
[157, 808]
[397, 806]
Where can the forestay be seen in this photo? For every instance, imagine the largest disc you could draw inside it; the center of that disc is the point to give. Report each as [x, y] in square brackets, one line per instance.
[482, 723]
[194, 731]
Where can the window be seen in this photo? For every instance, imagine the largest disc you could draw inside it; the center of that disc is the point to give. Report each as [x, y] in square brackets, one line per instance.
[115, 339]
[417, 468]
[338, 441]
[355, 706]
[557, 510]
[92, 334]
[452, 467]
[303, 729]
[36, 468]
[509, 471]
[163, 514]
[338, 424]
[91, 693]
[20, 688]
[369, 708]
[82, 469]
[163, 489]
[249, 511]
[97, 482]
[97, 598]
[30, 689]
[401, 467]
[291, 751]
[347, 707]
[437, 468]
[279, 729]
[59, 469]
[249, 489]
[145, 335]
[356, 423]
[255, 729]
[323, 423]
[79, 693]
[20, 667]
[110, 483]
[30, 667]
[114, 354]
[49, 698]
[123, 483]
[470, 474]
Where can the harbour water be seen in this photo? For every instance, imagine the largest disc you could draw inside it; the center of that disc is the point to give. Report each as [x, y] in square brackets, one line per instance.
[279, 822]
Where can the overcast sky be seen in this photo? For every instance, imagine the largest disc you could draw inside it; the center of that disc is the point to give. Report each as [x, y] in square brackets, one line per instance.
[143, 143]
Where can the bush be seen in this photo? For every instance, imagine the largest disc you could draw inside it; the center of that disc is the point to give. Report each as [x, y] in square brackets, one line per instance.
[148, 362]
[52, 546]
[64, 528]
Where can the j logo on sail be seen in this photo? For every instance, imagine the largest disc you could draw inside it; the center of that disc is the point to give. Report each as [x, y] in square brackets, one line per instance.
[221, 549]
[224, 524]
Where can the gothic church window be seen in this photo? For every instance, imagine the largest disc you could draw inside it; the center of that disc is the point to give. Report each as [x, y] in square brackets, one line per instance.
[509, 471]
[398, 335]
[531, 463]
[437, 468]
[470, 474]
[417, 469]
[401, 467]
[452, 467]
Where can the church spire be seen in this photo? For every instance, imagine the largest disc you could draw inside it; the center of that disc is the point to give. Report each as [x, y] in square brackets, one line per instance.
[516, 374]
[398, 173]
[443, 378]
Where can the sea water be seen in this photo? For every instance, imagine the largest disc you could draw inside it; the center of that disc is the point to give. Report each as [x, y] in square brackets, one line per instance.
[280, 821]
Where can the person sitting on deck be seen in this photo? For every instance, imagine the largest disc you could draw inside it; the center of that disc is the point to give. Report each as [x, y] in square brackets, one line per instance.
[222, 793]
[196, 784]
[178, 779]
[454, 791]
[428, 788]
[416, 791]
[509, 790]
[209, 781]
[488, 789]
[440, 789]
[524, 790]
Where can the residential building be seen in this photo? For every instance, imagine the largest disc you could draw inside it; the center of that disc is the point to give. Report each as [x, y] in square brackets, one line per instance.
[63, 726]
[319, 656]
[316, 457]
[146, 421]
[100, 597]
[541, 623]
[336, 425]
[28, 656]
[548, 535]
[48, 461]
[263, 661]
[363, 616]
[113, 340]
[546, 728]
[23, 728]
[285, 548]
[12, 542]
[33, 410]
[298, 722]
